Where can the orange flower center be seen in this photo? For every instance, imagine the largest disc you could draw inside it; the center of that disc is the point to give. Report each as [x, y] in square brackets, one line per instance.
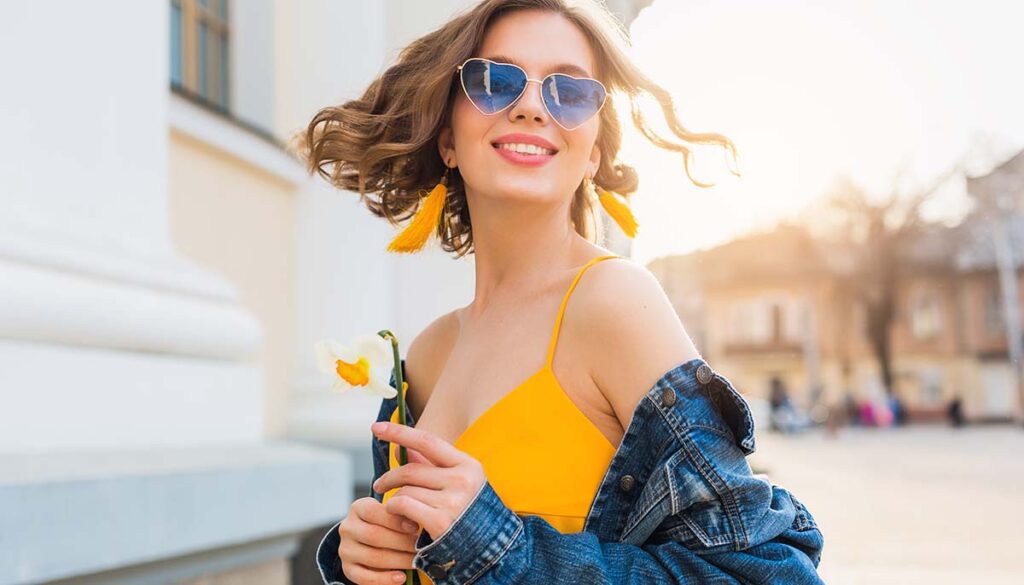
[357, 374]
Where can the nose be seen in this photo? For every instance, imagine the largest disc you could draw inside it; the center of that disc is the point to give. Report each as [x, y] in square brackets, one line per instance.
[530, 104]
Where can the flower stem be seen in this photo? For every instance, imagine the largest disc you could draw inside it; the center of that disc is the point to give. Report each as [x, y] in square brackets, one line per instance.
[402, 456]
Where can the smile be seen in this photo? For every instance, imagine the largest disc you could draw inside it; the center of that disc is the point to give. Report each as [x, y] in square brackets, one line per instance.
[529, 155]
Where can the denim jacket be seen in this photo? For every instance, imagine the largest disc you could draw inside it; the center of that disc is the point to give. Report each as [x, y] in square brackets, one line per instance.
[678, 504]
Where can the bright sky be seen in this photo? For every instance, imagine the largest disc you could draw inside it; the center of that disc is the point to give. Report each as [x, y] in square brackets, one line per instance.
[809, 89]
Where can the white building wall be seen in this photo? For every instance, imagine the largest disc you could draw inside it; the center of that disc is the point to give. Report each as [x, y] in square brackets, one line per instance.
[132, 407]
[347, 282]
[131, 425]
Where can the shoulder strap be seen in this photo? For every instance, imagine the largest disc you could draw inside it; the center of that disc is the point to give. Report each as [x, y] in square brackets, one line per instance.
[565, 301]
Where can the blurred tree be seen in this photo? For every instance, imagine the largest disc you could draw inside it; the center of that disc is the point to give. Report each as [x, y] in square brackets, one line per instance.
[881, 233]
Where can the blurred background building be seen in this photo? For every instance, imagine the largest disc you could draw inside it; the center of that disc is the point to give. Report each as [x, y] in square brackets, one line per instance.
[787, 309]
[165, 268]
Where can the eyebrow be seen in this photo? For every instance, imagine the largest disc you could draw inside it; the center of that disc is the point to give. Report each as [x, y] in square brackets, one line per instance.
[559, 68]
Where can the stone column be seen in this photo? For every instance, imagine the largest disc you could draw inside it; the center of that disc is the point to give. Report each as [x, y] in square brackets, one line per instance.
[131, 443]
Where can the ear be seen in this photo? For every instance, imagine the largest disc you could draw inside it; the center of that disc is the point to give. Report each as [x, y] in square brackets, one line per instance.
[595, 160]
[446, 146]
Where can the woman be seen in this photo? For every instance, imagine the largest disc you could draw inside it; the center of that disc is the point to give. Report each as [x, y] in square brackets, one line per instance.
[620, 456]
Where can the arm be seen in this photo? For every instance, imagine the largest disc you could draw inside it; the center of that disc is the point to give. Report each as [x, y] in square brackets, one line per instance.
[489, 544]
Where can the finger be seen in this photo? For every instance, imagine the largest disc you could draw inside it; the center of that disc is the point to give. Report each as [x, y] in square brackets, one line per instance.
[438, 451]
[423, 475]
[364, 576]
[432, 498]
[377, 514]
[381, 537]
[377, 558]
[433, 520]
[415, 456]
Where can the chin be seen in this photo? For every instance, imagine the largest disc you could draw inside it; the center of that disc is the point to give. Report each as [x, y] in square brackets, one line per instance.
[524, 192]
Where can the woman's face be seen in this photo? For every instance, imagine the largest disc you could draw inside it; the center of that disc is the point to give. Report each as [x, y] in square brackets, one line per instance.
[538, 41]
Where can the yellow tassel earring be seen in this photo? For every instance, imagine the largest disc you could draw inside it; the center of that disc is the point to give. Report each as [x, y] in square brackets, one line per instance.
[618, 211]
[424, 222]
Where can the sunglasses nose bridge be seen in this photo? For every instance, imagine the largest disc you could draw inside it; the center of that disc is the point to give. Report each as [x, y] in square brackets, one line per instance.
[541, 94]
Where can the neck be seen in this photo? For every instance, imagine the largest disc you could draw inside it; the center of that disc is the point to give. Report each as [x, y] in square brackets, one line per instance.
[518, 244]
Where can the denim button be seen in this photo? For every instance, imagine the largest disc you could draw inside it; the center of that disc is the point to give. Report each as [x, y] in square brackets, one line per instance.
[437, 572]
[704, 374]
[668, 396]
[626, 482]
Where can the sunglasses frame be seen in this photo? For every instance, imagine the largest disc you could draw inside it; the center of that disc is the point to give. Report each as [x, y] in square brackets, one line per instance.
[462, 82]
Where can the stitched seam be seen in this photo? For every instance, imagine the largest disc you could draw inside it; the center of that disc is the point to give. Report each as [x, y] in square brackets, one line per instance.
[624, 518]
[725, 434]
[454, 522]
[745, 409]
[681, 430]
[702, 535]
[724, 494]
[500, 555]
[673, 488]
[680, 426]
[676, 424]
[638, 518]
[323, 576]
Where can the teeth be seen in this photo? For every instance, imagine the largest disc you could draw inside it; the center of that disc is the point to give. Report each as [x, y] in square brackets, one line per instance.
[525, 148]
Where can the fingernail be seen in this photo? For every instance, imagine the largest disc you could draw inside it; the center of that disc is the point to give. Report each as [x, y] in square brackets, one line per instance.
[398, 577]
[410, 526]
[379, 427]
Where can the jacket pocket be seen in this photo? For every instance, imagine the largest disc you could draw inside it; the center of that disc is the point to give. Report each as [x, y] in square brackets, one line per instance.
[716, 503]
[700, 499]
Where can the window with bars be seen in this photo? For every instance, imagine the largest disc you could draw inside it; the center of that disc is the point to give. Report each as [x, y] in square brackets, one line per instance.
[199, 49]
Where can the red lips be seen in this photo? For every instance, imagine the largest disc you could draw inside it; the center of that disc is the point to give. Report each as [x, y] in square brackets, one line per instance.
[520, 138]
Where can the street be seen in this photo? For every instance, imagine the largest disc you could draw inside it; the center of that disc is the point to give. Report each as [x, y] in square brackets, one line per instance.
[923, 504]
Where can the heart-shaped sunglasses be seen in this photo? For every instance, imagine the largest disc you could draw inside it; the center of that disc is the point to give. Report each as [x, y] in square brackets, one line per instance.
[492, 86]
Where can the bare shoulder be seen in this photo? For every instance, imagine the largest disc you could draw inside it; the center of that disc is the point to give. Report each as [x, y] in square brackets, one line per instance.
[633, 335]
[426, 355]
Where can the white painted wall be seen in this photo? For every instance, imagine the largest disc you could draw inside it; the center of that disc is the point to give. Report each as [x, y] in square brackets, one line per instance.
[110, 338]
[347, 283]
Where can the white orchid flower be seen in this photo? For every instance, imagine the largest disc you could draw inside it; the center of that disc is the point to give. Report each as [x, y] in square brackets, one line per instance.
[367, 363]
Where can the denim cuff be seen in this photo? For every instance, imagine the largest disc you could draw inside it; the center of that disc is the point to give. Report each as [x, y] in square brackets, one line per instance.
[327, 558]
[475, 541]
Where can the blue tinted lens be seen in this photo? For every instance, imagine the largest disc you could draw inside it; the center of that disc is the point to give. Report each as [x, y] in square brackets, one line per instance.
[492, 86]
[572, 101]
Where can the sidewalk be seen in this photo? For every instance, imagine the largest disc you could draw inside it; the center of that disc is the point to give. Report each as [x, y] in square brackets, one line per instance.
[918, 505]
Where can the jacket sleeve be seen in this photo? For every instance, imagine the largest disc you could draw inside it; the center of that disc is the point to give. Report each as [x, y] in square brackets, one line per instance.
[489, 544]
[327, 560]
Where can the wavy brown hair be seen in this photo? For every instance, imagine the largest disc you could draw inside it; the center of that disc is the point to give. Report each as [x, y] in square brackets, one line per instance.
[385, 142]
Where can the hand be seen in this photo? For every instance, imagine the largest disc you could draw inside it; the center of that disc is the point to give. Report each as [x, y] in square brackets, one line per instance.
[438, 483]
[374, 543]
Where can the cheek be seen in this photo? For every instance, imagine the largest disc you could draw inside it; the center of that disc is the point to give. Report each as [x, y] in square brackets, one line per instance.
[580, 143]
[467, 121]
[469, 128]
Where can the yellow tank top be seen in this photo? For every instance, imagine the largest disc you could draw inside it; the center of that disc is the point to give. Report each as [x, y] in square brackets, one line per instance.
[542, 456]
